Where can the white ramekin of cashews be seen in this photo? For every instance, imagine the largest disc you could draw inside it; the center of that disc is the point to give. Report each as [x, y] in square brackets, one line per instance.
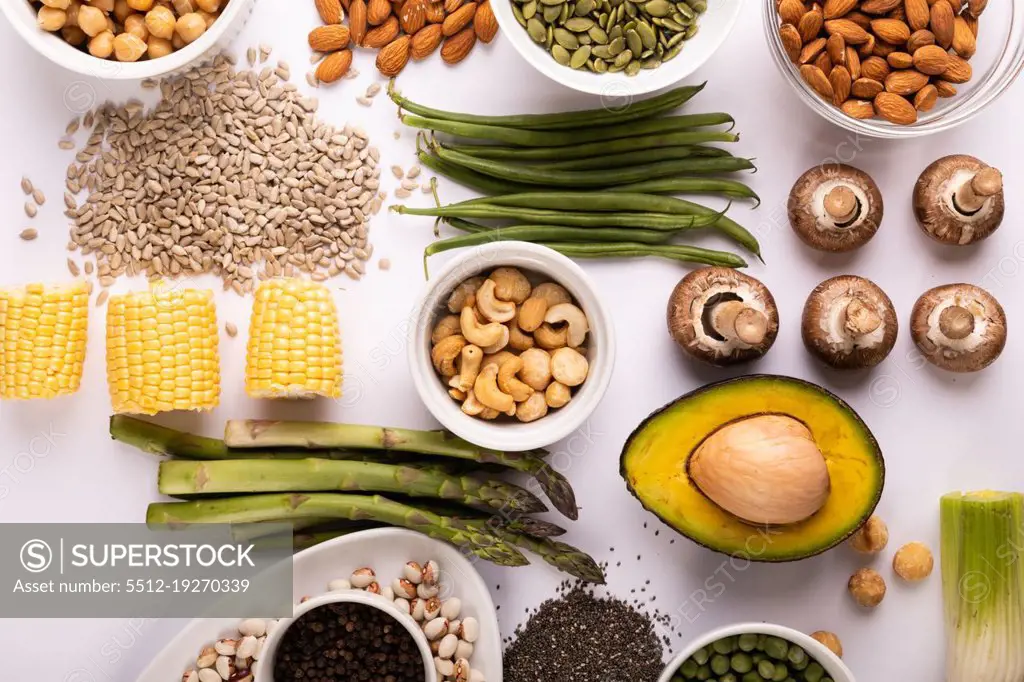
[538, 385]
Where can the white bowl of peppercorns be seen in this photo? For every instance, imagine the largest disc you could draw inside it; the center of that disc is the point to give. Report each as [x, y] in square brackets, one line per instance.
[127, 39]
[344, 636]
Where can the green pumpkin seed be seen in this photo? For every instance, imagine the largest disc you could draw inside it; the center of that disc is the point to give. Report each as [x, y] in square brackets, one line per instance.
[598, 35]
[686, 11]
[631, 10]
[614, 32]
[659, 50]
[632, 69]
[535, 27]
[564, 14]
[646, 53]
[584, 7]
[529, 9]
[552, 2]
[579, 24]
[680, 19]
[692, 31]
[580, 57]
[616, 47]
[615, 68]
[658, 8]
[602, 52]
[566, 39]
[675, 40]
[647, 35]
[652, 63]
[585, 39]
[629, 26]
[623, 58]
[551, 37]
[600, 66]
[671, 52]
[699, 6]
[551, 14]
[560, 54]
[633, 41]
[518, 13]
[673, 26]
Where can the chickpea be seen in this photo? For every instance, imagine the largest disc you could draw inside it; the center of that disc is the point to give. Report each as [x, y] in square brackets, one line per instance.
[136, 25]
[51, 19]
[102, 45]
[160, 22]
[183, 7]
[121, 10]
[103, 5]
[176, 42]
[141, 5]
[72, 11]
[73, 35]
[92, 20]
[211, 6]
[190, 27]
[128, 47]
[159, 47]
[207, 17]
[57, 4]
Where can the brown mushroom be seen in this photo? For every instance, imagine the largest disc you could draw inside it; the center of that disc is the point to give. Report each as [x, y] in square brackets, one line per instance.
[959, 200]
[722, 317]
[835, 208]
[959, 327]
[849, 323]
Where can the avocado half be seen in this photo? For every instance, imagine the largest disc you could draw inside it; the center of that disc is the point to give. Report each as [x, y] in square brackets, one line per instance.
[654, 464]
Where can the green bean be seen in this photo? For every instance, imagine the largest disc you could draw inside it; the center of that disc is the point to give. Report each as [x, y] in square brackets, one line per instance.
[572, 120]
[592, 149]
[654, 221]
[633, 158]
[683, 185]
[684, 254]
[470, 178]
[547, 233]
[555, 138]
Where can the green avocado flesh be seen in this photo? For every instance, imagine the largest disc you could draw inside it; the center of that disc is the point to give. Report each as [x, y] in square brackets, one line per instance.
[655, 458]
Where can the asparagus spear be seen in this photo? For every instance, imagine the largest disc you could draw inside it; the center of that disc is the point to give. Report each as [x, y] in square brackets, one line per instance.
[517, 523]
[287, 507]
[314, 435]
[183, 477]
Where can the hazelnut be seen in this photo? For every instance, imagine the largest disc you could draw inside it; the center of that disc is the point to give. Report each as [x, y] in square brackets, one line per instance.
[867, 588]
[913, 562]
[830, 640]
[871, 538]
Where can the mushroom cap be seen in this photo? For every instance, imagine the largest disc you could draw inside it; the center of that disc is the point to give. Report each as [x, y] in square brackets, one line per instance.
[815, 228]
[686, 319]
[823, 322]
[977, 350]
[933, 202]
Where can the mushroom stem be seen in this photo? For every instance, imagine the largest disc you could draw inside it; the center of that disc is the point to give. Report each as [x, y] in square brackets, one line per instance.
[736, 320]
[971, 196]
[841, 204]
[859, 318]
[956, 322]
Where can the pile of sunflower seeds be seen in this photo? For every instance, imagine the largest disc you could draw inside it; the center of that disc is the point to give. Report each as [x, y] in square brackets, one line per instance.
[230, 173]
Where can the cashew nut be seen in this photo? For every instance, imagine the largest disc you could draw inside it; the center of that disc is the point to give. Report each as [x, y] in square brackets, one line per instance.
[575, 320]
[444, 354]
[482, 335]
[489, 414]
[536, 371]
[490, 307]
[512, 285]
[464, 294]
[471, 405]
[550, 338]
[445, 327]
[557, 395]
[469, 367]
[508, 382]
[552, 293]
[517, 339]
[500, 343]
[569, 367]
[487, 392]
[532, 409]
[457, 394]
[497, 359]
[531, 313]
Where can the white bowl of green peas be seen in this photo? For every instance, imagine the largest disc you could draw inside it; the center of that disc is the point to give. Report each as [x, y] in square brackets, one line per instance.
[756, 652]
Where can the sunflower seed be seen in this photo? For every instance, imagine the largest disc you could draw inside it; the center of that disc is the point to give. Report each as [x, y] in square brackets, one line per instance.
[231, 329]
[413, 173]
[364, 101]
[373, 90]
[30, 209]
[26, 186]
[28, 234]
[102, 298]
[73, 268]
[384, 264]
[402, 193]
[38, 197]
[397, 172]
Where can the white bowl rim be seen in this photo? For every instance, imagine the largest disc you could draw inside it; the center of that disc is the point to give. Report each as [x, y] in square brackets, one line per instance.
[264, 668]
[504, 436]
[53, 47]
[832, 664]
[618, 84]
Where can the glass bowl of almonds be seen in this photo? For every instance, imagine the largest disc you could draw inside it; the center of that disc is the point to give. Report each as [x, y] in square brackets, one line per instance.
[127, 39]
[896, 68]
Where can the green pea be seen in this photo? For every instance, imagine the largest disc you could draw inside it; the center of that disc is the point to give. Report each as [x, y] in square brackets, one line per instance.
[751, 677]
[702, 656]
[728, 677]
[725, 646]
[766, 669]
[826, 679]
[747, 642]
[703, 673]
[720, 664]
[757, 657]
[781, 673]
[814, 673]
[741, 663]
[689, 668]
[796, 655]
[678, 678]
[776, 648]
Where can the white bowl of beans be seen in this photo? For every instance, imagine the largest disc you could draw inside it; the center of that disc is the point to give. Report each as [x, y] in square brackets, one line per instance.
[127, 39]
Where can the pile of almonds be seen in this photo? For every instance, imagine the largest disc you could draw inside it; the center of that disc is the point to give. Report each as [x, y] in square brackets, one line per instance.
[885, 58]
[399, 30]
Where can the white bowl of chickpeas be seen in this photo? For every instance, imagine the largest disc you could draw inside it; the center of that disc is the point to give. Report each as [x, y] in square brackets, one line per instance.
[127, 39]
[511, 347]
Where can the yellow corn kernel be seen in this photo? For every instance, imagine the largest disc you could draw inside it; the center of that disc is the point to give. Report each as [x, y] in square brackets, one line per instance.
[294, 348]
[162, 351]
[42, 340]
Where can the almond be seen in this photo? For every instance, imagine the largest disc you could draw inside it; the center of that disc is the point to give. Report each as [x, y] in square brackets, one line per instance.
[357, 20]
[485, 23]
[810, 25]
[919, 39]
[841, 83]
[791, 42]
[329, 10]
[823, 62]
[812, 50]
[957, 5]
[456, 47]
[875, 68]
[958, 70]
[964, 42]
[879, 6]
[976, 7]
[858, 108]
[926, 98]
[853, 62]
[393, 57]
[942, 23]
[817, 80]
[459, 19]
[334, 66]
[791, 11]
[836, 48]
[972, 23]
[868, 48]
[380, 36]
[412, 16]
[898, 13]
[851, 32]
[918, 13]
[895, 109]
[859, 18]
[945, 89]
[866, 88]
[931, 60]
[377, 12]
[883, 50]
[900, 60]
[426, 41]
[329, 38]
[905, 82]
[451, 5]
[837, 9]
[435, 13]
[892, 31]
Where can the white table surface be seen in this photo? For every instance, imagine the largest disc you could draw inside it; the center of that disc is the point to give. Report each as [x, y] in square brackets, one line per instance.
[939, 432]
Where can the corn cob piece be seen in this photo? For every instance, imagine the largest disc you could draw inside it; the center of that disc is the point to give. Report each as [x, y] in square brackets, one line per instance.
[294, 348]
[42, 340]
[162, 351]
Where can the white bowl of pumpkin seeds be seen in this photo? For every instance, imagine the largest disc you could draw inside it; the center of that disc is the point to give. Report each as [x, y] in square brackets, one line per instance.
[617, 48]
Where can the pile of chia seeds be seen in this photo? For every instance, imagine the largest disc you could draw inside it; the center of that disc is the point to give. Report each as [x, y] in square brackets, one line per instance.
[580, 637]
